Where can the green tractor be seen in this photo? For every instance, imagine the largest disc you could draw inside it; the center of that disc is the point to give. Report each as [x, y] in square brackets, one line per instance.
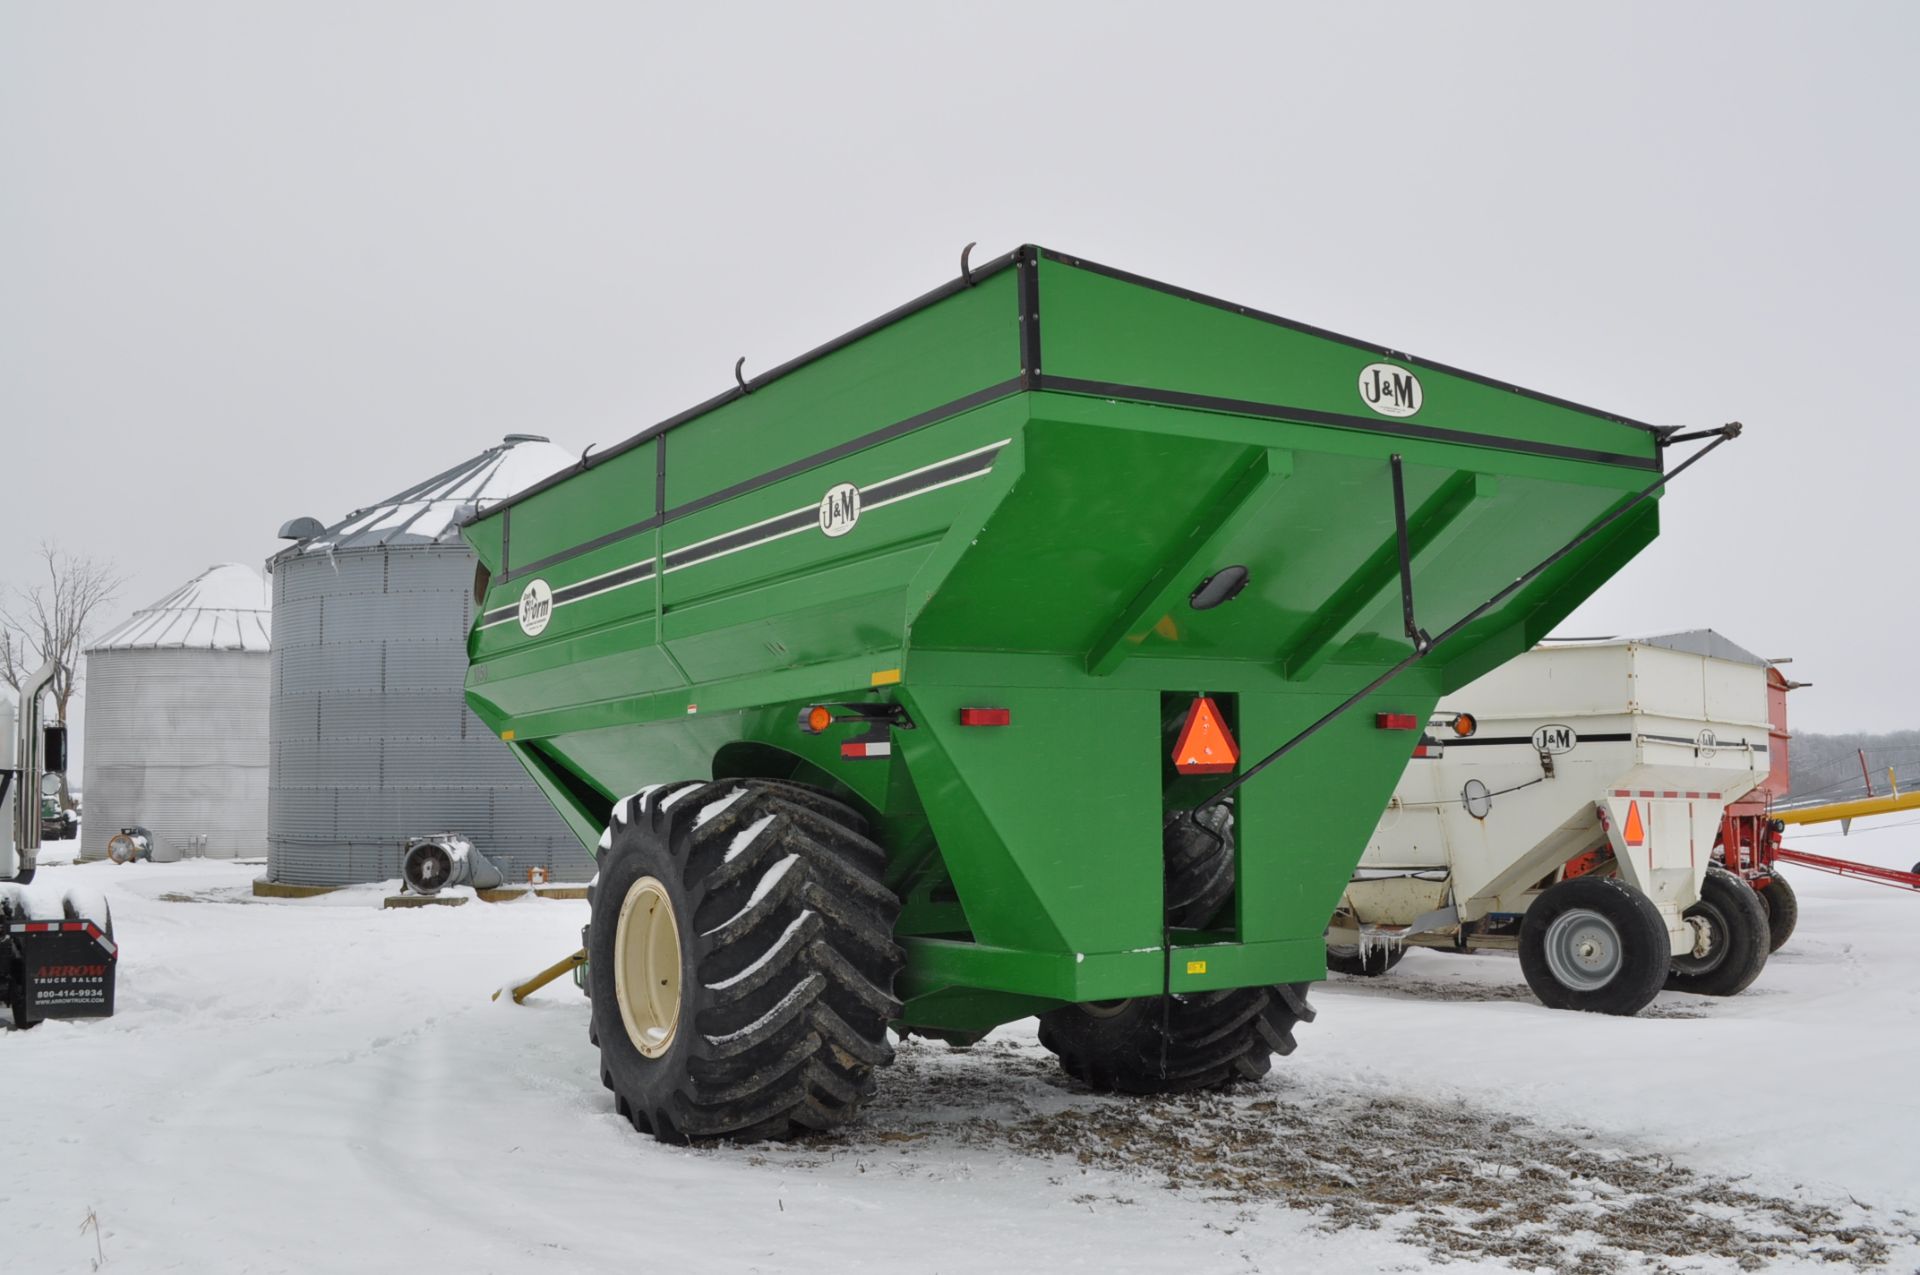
[1047, 646]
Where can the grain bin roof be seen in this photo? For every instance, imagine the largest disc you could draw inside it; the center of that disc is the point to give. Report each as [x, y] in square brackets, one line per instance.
[428, 512]
[224, 608]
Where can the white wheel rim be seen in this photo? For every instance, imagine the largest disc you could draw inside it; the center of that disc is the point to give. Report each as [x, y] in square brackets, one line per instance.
[1583, 950]
[646, 967]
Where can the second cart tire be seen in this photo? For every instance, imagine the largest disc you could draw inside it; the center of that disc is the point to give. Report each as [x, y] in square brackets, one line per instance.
[1377, 961]
[1197, 850]
[1738, 939]
[1209, 1040]
[1594, 944]
[743, 961]
[1783, 911]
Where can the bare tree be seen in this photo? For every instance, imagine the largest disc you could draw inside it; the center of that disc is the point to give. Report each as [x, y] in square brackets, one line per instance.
[54, 619]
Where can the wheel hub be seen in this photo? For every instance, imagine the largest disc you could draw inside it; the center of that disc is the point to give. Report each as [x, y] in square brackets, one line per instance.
[1104, 1009]
[1583, 950]
[646, 967]
[1708, 952]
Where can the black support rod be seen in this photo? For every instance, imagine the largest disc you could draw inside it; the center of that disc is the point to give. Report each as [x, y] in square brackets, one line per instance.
[1719, 436]
[1418, 635]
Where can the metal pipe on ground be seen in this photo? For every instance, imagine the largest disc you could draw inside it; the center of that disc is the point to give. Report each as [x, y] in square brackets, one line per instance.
[433, 863]
[129, 844]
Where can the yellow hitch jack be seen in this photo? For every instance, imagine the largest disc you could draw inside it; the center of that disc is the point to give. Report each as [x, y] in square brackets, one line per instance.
[564, 966]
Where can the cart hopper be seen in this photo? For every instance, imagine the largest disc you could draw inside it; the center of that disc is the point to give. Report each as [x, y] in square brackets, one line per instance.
[1630, 749]
[1002, 537]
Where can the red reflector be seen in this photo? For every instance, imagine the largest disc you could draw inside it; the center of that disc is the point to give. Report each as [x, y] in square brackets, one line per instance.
[1205, 747]
[1421, 751]
[1396, 721]
[986, 717]
[1634, 834]
[857, 749]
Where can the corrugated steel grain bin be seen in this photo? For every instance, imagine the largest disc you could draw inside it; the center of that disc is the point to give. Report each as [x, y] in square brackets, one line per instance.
[372, 742]
[176, 729]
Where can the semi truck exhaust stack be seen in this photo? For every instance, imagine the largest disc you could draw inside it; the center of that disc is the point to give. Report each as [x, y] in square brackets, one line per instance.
[34, 746]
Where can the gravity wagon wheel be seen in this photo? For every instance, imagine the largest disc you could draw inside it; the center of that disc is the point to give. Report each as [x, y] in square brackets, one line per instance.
[1594, 944]
[1197, 848]
[1377, 961]
[1783, 911]
[742, 957]
[1733, 939]
[1211, 1039]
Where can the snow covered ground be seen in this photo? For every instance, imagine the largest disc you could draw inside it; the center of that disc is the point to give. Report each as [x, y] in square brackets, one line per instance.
[324, 1085]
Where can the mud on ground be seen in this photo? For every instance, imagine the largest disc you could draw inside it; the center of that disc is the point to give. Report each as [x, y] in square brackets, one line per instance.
[1453, 1180]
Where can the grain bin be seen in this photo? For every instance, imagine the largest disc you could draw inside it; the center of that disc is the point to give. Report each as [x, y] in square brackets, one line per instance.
[372, 743]
[176, 731]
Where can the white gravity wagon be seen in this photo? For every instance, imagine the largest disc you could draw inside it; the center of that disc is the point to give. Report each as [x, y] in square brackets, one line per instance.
[1566, 806]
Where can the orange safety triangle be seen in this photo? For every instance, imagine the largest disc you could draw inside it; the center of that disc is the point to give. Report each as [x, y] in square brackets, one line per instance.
[1634, 833]
[1205, 747]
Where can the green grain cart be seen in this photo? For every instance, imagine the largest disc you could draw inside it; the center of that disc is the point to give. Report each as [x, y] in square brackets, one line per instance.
[866, 676]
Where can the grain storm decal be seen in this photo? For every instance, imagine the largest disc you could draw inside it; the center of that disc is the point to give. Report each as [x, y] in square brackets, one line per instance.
[1390, 390]
[536, 607]
[840, 509]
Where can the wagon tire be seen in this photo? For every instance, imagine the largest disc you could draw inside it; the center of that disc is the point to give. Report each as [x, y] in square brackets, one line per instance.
[1739, 939]
[73, 912]
[1594, 944]
[1212, 1040]
[1783, 911]
[743, 961]
[1198, 859]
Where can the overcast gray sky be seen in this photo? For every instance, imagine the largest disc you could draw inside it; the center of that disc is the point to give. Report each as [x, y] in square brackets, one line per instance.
[266, 260]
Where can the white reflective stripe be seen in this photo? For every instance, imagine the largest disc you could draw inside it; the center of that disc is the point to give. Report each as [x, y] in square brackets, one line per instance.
[751, 544]
[591, 593]
[764, 522]
[65, 927]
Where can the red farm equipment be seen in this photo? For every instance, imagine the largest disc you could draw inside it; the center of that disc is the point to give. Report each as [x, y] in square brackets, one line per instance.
[1752, 829]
